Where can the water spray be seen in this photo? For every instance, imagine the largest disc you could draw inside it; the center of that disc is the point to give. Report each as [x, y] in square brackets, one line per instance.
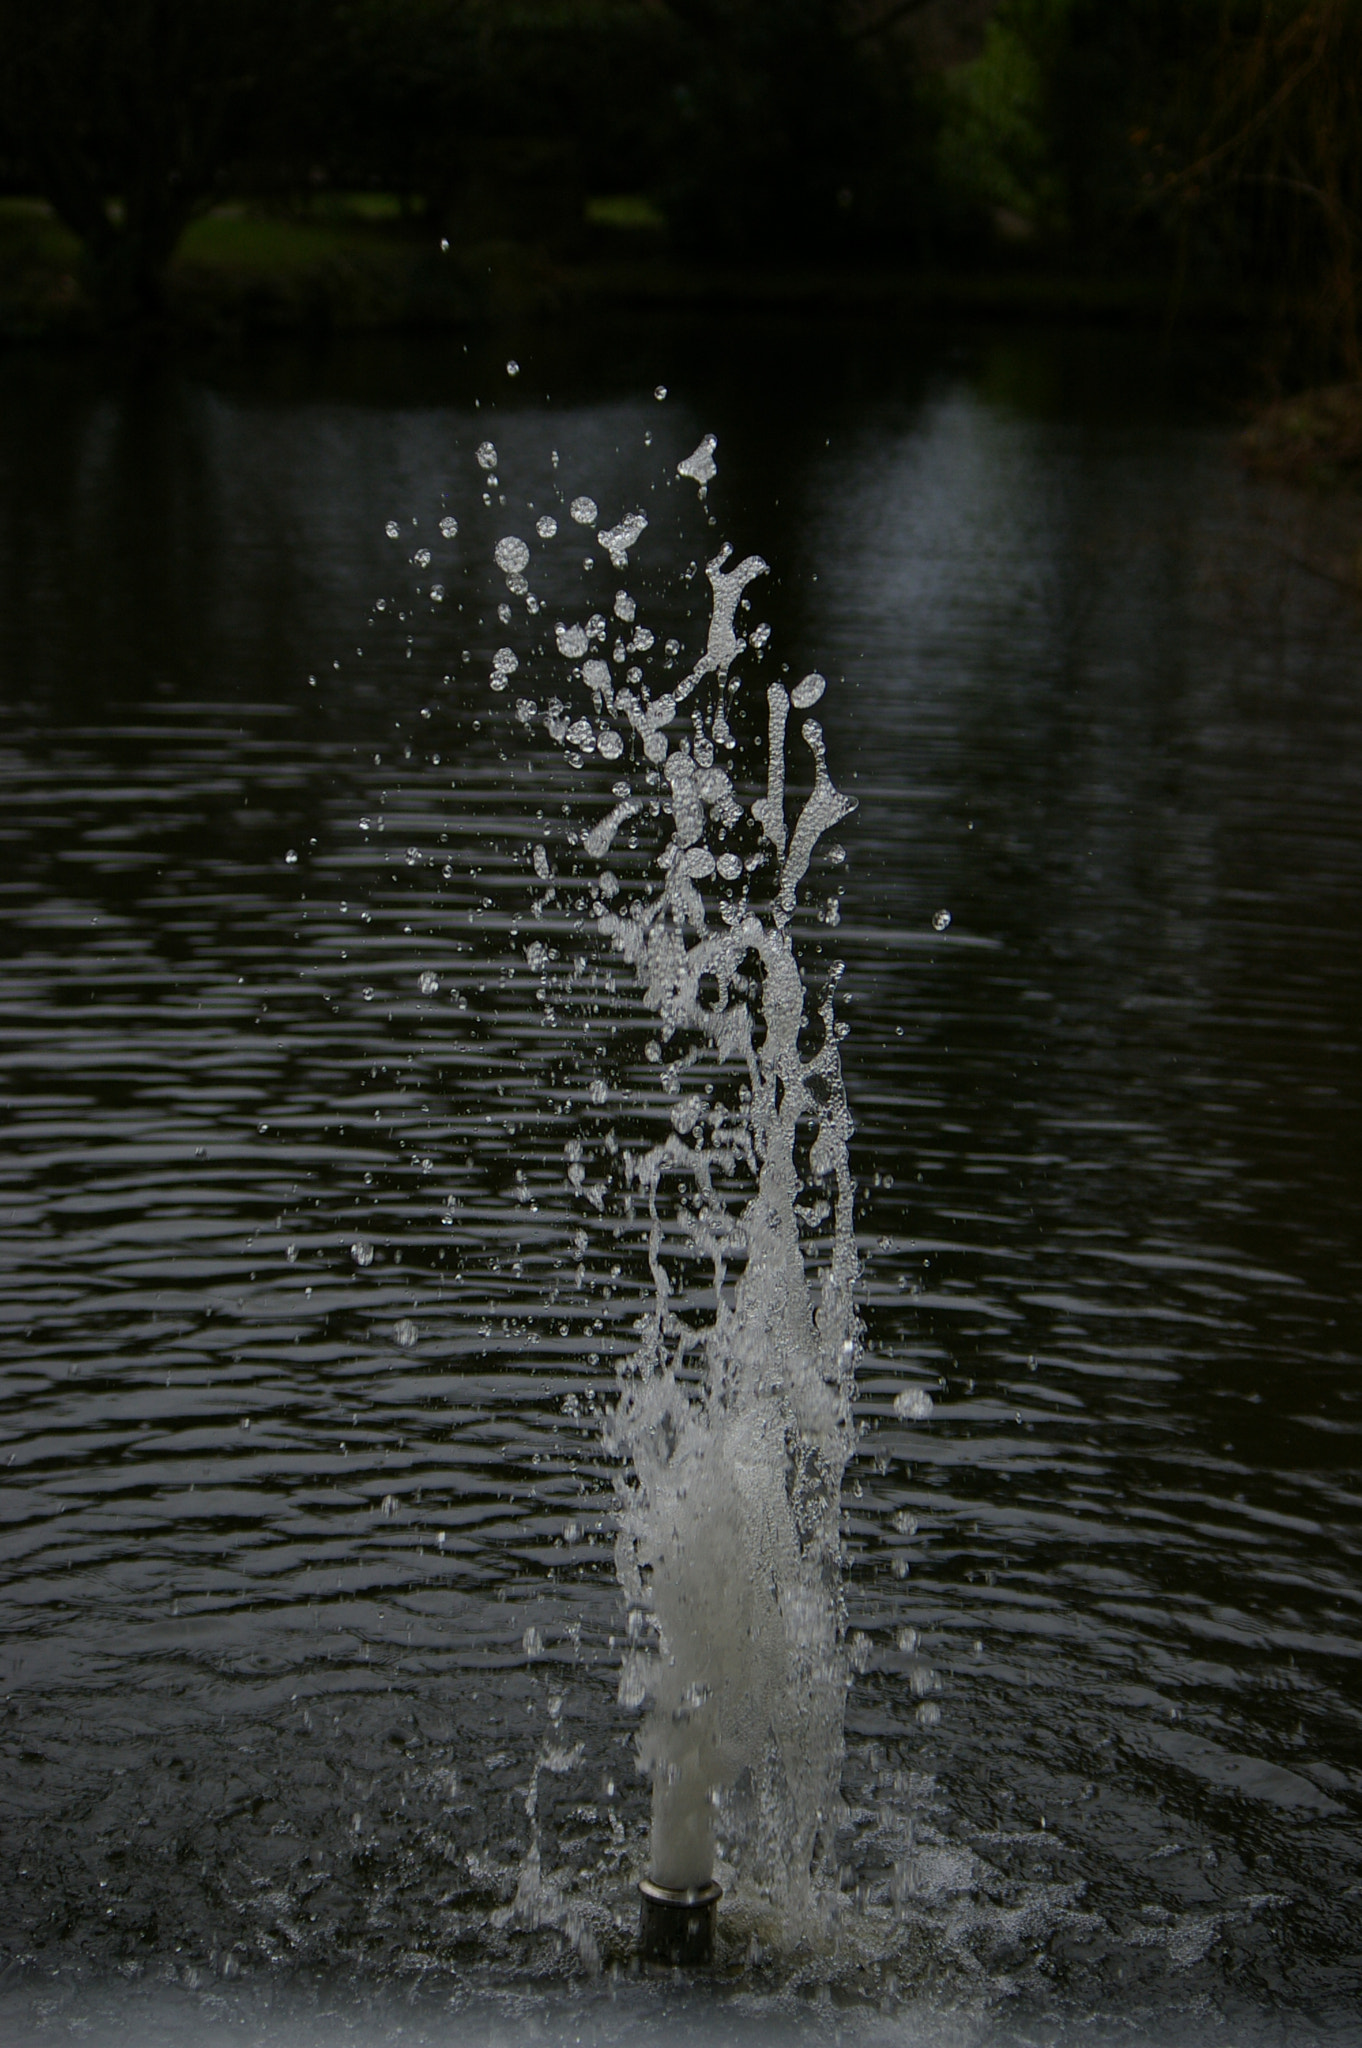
[732, 1428]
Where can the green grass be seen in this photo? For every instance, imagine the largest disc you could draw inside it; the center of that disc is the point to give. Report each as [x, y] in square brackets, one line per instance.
[626, 210]
[270, 244]
[31, 233]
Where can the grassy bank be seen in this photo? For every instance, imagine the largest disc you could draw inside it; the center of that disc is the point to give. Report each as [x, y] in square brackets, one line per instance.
[359, 263]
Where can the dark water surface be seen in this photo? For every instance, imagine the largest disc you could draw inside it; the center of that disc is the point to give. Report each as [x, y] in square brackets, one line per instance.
[305, 1539]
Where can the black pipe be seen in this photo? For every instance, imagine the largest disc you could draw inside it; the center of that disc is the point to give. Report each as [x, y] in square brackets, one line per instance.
[677, 1927]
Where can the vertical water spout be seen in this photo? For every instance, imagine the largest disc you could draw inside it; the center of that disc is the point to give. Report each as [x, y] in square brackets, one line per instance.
[733, 1424]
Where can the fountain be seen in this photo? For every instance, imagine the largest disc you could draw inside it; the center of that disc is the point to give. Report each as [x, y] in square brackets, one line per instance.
[733, 1422]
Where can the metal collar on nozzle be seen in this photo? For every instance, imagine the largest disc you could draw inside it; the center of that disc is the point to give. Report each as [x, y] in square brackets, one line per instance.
[677, 1927]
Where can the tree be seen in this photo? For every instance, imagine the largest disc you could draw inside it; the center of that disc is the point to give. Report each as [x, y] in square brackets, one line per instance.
[1264, 158]
[130, 116]
[796, 130]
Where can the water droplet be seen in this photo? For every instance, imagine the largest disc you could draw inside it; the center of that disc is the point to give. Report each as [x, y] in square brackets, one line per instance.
[511, 555]
[808, 692]
[512, 368]
[700, 465]
[584, 511]
[393, 530]
[914, 1404]
[449, 526]
[617, 540]
[428, 983]
[388, 1505]
[291, 859]
[362, 1253]
[928, 1714]
[487, 455]
[422, 558]
[546, 527]
[908, 1640]
[404, 1330]
[941, 920]
[291, 1254]
[532, 1643]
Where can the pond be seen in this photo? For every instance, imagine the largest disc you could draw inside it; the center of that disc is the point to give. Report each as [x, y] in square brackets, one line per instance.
[321, 1254]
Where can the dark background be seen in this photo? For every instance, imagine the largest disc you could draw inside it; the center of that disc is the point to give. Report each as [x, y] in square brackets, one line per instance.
[207, 159]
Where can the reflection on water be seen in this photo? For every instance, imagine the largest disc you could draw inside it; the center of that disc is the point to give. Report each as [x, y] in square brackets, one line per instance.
[306, 1335]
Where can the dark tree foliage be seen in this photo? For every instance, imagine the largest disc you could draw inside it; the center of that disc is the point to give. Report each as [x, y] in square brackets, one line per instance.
[1220, 140]
[1263, 162]
[795, 131]
[131, 115]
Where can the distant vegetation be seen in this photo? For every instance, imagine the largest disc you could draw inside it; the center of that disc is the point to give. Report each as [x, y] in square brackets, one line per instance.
[1211, 147]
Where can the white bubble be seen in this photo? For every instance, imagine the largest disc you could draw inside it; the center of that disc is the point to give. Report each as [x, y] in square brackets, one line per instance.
[362, 1253]
[730, 867]
[532, 1643]
[512, 368]
[404, 1329]
[546, 526]
[428, 983]
[808, 692]
[393, 530]
[572, 641]
[584, 511]
[928, 1714]
[487, 455]
[941, 920]
[580, 734]
[609, 745]
[437, 593]
[422, 558]
[660, 393]
[505, 662]
[389, 1505]
[511, 555]
[914, 1404]
[290, 859]
[449, 526]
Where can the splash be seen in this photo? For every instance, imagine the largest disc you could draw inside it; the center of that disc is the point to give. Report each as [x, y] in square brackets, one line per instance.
[733, 1424]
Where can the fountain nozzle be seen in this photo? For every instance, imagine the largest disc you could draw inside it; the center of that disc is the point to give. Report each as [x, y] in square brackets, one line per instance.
[677, 1927]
